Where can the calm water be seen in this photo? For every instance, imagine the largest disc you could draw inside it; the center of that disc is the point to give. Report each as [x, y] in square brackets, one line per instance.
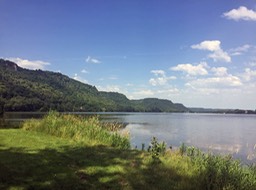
[219, 133]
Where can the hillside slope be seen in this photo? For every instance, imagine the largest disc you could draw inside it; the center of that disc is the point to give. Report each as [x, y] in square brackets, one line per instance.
[36, 90]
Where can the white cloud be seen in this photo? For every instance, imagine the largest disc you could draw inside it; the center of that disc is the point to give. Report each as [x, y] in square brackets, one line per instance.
[158, 72]
[80, 79]
[84, 71]
[190, 69]
[240, 50]
[129, 84]
[143, 93]
[252, 64]
[89, 59]
[109, 88]
[168, 92]
[220, 71]
[249, 74]
[161, 78]
[202, 91]
[242, 13]
[29, 64]
[220, 55]
[213, 46]
[219, 82]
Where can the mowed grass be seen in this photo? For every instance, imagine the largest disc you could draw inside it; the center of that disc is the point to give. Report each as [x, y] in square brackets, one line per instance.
[37, 158]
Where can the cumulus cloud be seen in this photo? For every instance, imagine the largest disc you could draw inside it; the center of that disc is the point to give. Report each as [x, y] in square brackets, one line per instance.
[190, 69]
[220, 56]
[242, 13]
[220, 71]
[249, 74]
[161, 78]
[89, 59]
[29, 64]
[214, 46]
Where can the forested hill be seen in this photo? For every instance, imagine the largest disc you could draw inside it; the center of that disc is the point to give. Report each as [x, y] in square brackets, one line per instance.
[36, 90]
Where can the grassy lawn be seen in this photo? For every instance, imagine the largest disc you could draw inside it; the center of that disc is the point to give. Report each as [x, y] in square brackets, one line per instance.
[31, 160]
[37, 158]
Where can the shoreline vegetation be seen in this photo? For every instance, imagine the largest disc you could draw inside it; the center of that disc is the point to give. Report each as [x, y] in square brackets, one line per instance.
[62, 151]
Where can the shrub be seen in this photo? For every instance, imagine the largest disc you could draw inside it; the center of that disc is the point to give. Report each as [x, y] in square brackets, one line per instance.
[156, 149]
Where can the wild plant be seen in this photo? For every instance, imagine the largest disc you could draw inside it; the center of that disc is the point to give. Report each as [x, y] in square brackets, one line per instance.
[112, 126]
[183, 149]
[156, 149]
[143, 146]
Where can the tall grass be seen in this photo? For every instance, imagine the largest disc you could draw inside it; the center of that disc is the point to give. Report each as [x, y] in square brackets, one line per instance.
[80, 129]
[221, 172]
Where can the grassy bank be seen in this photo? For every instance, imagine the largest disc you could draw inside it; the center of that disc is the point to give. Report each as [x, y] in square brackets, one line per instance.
[88, 131]
[59, 153]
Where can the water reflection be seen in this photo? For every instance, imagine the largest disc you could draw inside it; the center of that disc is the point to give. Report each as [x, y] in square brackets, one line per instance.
[224, 134]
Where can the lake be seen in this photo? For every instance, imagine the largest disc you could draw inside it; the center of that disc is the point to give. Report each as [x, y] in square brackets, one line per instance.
[219, 133]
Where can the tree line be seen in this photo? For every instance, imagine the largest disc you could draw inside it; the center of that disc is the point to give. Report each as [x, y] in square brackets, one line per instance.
[36, 90]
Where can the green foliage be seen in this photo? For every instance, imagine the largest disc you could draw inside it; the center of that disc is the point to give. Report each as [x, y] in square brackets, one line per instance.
[225, 173]
[29, 90]
[78, 129]
[157, 149]
[183, 149]
[220, 172]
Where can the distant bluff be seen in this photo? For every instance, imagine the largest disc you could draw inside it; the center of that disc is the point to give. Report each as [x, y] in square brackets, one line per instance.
[36, 90]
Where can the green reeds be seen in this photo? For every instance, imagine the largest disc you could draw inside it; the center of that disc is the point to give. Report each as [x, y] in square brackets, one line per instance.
[220, 172]
[78, 129]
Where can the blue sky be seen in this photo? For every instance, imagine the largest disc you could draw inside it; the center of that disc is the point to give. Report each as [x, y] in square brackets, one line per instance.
[201, 53]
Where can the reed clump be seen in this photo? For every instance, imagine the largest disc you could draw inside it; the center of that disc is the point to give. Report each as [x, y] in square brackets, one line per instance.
[88, 130]
[220, 172]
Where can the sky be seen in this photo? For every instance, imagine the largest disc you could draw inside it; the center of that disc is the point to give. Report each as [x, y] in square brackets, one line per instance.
[201, 53]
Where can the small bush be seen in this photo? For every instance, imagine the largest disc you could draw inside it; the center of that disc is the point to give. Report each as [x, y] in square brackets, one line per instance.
[156, 149]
